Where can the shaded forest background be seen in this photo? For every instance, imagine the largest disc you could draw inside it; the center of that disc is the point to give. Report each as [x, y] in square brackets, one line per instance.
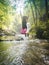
[36, 10]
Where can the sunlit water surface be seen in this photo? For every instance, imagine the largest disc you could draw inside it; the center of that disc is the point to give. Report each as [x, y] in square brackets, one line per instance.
[22, 53]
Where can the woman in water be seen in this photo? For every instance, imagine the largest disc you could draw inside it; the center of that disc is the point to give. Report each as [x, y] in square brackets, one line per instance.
[24, 25]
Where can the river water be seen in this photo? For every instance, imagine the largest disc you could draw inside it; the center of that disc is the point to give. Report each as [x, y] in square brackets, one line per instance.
[25, 52]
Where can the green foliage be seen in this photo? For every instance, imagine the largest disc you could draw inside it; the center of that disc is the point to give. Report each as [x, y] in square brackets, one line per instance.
[39, 32]
[34, 9]
[5, 2]
[40, 18]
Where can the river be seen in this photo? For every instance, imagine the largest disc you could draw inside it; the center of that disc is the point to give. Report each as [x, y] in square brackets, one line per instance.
[25, 52]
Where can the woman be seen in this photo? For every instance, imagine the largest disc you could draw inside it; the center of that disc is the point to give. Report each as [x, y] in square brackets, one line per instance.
[24, 25]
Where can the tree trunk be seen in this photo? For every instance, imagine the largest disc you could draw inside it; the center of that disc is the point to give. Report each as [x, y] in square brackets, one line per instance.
[32, 12]
[46, 5]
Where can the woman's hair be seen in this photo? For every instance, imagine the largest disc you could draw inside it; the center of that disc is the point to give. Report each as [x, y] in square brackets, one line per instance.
[24, 18]
[24, 22]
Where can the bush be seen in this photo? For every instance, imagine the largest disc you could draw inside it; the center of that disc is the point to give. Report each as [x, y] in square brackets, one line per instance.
[39, 32]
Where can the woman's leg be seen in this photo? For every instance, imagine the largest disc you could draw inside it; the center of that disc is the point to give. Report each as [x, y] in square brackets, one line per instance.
[25, 34]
